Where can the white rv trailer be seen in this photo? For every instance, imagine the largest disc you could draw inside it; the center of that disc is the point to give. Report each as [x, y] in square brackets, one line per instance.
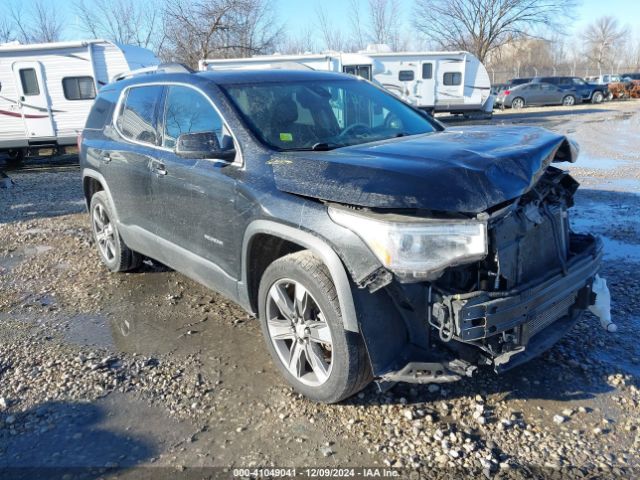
[47, 90]
[454, 82]
[352, 63]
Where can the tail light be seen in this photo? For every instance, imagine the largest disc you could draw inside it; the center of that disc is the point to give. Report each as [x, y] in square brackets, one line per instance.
[507, 92]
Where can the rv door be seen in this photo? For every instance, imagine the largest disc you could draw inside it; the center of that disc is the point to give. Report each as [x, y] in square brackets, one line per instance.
[427, 85]
[33, 100]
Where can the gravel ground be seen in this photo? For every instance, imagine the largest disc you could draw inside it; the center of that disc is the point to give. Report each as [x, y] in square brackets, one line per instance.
[106, 371]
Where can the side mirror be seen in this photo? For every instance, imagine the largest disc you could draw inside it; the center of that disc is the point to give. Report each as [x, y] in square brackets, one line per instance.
[202, 145]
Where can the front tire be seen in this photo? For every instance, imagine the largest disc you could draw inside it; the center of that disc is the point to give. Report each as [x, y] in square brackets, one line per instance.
[303, 329]
[517, 103]
[115, 255]
[569, 101]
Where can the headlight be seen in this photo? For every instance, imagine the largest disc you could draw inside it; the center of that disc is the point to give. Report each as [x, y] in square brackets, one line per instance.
[420, 249]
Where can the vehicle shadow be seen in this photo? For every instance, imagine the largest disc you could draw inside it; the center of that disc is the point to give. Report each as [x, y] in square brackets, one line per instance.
[58, 440]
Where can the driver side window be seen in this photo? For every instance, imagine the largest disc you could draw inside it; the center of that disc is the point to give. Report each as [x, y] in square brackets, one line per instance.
[188, 111]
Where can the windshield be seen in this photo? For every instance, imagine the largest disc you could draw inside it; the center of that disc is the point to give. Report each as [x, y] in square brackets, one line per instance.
[323, 114]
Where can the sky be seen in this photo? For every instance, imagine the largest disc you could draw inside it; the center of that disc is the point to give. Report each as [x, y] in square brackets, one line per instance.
[299, 14]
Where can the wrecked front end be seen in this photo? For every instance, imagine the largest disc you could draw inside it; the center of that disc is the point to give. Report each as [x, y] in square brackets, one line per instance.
[500, 304]
[530, 289]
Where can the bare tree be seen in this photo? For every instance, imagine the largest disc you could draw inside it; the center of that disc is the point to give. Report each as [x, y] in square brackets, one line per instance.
[481, 26]
[198, 29]
[46, 25]
[332, 36]
[358, 29]
[133, 22]
[7, 33]
[384, 22]
[304, 42]
[603, 40]
[38, 24]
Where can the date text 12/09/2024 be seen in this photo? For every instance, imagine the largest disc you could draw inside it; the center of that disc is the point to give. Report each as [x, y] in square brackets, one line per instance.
[274, 472]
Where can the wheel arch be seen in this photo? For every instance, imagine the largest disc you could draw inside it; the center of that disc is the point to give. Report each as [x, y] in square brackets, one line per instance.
[93, 182]
[287, 239]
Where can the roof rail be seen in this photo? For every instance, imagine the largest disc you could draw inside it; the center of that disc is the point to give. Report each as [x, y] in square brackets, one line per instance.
[162, 68]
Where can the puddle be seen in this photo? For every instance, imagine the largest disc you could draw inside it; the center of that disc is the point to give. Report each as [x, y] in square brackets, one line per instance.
[614, 221]
[631, 185]
[90, 331]
[13, 259]
[613, 249]
[598, 163]
[625, 355]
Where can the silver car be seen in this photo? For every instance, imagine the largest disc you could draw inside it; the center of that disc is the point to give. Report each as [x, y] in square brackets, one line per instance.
[536, 94]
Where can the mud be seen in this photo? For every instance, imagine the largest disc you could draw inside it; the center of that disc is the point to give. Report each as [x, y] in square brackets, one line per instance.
[185, 381]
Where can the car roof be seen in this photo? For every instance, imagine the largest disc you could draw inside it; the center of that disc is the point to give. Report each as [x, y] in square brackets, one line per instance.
[233, 76]
[270, 75]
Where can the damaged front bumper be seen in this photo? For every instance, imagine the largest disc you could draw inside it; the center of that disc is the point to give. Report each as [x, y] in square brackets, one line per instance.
[508, 328]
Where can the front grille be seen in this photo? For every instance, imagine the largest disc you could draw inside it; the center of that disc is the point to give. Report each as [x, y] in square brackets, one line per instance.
[546, 318]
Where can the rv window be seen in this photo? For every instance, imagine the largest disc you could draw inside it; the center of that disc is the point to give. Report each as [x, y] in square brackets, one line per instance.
[452, 78]
[427, 70]
[363, 71]
[405, 75]
[188, 111]
[79, 88]
[29, 82]
[137, 117]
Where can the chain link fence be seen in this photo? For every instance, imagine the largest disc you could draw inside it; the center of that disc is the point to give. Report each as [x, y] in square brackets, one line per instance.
[503, 75]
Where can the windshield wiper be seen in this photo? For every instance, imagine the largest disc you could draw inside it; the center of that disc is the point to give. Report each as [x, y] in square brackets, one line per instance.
[324, 146]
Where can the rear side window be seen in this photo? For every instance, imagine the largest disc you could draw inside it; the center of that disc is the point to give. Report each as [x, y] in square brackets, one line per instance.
[102, 109]
[29, 81]
[405, 75]
[78, 88]
[452, 78]
[188, 111]
[137, 118]
[427, 70]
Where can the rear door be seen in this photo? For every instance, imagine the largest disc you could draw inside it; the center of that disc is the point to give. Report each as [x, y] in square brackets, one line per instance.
[130, 147]
[549, 94]
[33, 100]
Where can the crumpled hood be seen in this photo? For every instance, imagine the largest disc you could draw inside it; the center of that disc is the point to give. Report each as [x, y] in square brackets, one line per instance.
[465, 169]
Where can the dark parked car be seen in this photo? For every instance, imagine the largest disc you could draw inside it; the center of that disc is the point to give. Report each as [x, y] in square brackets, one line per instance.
[627, 77]
[530, 94]
[588, 92]
[360, 231]
[519, 81]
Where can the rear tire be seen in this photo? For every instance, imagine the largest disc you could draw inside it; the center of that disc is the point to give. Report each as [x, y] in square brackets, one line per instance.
[597, 97]
[115, 255]
[309, 330]
[569, 101]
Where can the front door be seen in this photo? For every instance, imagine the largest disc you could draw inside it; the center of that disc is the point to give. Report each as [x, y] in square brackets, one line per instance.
[195, 198]
[33, 100]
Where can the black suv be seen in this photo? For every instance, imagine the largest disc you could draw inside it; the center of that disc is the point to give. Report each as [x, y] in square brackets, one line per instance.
[589, 92]
[359, 230]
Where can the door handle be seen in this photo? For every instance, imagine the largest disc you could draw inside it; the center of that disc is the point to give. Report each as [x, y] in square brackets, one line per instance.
[158, 168]
[106, 157]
